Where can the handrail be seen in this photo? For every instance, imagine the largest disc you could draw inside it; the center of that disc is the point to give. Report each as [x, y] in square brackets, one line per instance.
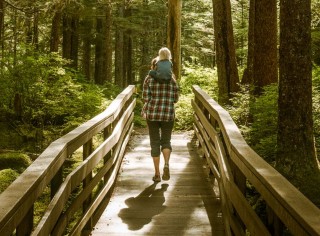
[17, 201]
[234, 163]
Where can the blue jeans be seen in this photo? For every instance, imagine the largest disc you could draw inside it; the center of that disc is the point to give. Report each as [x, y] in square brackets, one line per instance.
[160, 136]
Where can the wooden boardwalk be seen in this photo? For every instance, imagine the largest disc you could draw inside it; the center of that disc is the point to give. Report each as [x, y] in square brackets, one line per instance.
[187, 204]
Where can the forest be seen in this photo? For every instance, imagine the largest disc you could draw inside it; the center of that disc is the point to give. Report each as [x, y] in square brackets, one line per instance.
[62, 62]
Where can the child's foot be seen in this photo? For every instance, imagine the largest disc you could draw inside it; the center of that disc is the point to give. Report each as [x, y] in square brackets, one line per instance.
[166, 172]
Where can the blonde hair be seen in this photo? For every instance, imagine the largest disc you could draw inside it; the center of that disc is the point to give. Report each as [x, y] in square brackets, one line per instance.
[164, 54]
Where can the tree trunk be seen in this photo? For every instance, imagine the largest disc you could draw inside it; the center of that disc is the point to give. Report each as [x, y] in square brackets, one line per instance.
[265, 59]
[55, 31]
[99, 77]
[2, 9]
[70, 45]
[108, 43]
[296, 155]
[119, 51]
[174, 34]
[127, 57]
[74, 41]
[228, 77]
[145, 59]
[128, 51]
[66, 42]
[86, 60]
[144, 43]
[28, 26]
[248, 72]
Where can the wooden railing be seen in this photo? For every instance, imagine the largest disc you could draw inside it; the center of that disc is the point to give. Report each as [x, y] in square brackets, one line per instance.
[80, 192]
[234, 164]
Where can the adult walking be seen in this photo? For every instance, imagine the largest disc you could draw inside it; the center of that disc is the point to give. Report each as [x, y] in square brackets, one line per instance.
[159, 97]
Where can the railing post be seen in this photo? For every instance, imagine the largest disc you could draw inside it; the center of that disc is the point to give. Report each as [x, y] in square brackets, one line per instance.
[274, 224]
[56, 182]
[26, 225]
[87, 150]
[106, 133]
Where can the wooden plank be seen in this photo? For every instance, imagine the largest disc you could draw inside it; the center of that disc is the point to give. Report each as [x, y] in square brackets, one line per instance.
[184, 205]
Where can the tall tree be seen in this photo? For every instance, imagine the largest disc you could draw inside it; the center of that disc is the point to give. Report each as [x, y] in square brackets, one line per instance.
[127, 49]
[108, 42]
[74, 40]
[99, 76]
[87, 26]
[28, 24]
[118, 63]
[55, 29]
[174, 34]
[228, 77]
[1, 26]
[70, 43]
[265, 59]
[66, 42]
[248, 72]
[296, 155]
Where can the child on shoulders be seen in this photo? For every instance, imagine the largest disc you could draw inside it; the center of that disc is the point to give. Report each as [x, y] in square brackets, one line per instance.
[163, 69]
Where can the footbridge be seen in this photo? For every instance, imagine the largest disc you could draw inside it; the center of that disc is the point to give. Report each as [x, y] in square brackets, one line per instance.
[110, 191]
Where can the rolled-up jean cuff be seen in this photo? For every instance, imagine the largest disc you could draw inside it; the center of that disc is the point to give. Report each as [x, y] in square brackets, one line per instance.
[157, 142]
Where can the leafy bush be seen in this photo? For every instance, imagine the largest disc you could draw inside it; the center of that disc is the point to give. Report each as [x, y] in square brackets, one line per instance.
[138, 120]
[256, 117]
[41, 90]
[7, 176]
[14, 160]
[206, 79]
[240, 108]
[47, 91]
[264, 110]
[184, 113]
[316, 106]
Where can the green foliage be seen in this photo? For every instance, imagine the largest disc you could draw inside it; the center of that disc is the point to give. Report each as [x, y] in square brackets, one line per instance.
[264, 110]
[316, 106]
[41, 90]
[14, 160]
[138, 120]
[315, 46]
[184, 113]
[7, 176]
[240, 108]
[197, 32]
[257, 119]
[206, 79]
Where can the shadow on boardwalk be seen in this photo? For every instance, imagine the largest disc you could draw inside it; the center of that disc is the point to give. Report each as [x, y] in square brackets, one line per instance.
[148, 204]
[187, 204]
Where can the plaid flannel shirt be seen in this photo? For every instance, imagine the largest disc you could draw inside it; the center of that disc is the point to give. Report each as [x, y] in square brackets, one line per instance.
[159, 99]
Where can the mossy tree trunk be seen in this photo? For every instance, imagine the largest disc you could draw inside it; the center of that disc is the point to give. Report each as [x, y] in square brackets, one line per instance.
[247, 77]
[127, 50]
[119, 79]
[99, 76]
[55, 31]
[108, 42]
[87, 25]
[174, 34]
[296, 154]
[265, 59]
[1, 20]
[228, 78]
